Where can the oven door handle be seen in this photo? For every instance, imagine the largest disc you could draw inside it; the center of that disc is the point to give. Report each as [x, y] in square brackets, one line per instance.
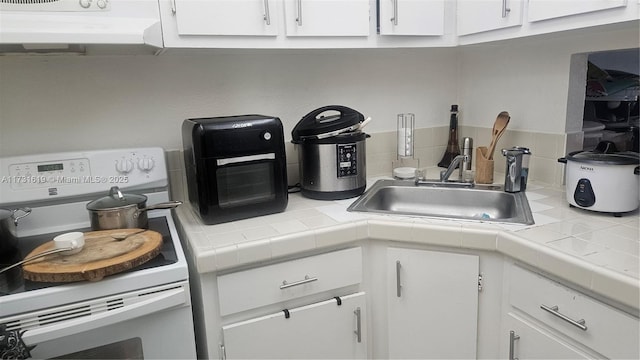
[244, 159]
[158, 302]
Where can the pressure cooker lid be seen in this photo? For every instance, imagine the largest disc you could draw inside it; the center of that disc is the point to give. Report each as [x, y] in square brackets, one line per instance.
[324, 122]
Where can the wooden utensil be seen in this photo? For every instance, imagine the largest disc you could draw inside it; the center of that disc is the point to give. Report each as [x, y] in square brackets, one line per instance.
[499, 127]
[102, 255]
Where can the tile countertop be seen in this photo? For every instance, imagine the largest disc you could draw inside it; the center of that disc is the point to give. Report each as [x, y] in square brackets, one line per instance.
[593, 250]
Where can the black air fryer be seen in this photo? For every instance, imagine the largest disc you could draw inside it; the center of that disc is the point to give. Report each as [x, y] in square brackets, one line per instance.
[235, 166]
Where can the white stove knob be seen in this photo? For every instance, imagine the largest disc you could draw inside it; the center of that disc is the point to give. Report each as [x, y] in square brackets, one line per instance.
[146, 164]
[124, 166]
[102, 4]
[85, 3]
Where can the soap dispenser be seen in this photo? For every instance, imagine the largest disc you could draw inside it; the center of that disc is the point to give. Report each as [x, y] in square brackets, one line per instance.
[513, 179]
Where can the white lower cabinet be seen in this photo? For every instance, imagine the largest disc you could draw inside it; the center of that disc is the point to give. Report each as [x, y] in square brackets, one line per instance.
[525, 340]
[393, 302]
[565, 321]
[331, 329]
[432, 304]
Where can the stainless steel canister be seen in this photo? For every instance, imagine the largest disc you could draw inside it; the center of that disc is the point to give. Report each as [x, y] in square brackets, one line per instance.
[467, 149]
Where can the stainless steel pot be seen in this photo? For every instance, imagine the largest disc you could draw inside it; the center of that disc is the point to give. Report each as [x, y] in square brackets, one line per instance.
[333, 168]
[8, 225]
[331, 153]
[123, 211]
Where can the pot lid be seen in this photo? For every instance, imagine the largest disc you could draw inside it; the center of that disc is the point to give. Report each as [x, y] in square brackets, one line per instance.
[116, 199]
[324, 122]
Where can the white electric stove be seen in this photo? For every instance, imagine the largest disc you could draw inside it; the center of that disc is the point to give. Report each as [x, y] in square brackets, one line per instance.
[144, 312]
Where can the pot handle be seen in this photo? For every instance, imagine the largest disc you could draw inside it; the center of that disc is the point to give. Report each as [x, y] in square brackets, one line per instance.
[636, 171]
[26, 212]
[162, 205]
[562, 160]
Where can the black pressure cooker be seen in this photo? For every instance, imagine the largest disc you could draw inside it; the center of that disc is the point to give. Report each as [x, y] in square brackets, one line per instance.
[331, 153]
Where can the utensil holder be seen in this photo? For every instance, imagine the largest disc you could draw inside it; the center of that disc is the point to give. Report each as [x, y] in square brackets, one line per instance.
[484, 166]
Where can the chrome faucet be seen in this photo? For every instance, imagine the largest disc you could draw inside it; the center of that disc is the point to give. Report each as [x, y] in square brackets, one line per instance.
[444, 175]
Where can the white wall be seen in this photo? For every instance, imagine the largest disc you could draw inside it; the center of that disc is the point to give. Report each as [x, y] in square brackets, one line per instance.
[530, 77]
[52, 104]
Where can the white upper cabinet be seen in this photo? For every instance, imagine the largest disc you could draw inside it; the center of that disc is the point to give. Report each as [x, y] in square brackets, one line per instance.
[411, 17]
[550, 9]
[326, 17]
[321, 24]
[226, 17]
[476, 16]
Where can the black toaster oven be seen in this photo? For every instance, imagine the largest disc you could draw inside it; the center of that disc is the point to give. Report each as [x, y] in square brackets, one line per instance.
[235, 166]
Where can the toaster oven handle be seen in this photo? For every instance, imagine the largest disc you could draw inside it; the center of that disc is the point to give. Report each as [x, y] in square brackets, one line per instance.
[244, 159]
[160, 302]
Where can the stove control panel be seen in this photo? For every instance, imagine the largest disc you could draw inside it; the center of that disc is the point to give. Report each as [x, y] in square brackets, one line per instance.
[64, 175]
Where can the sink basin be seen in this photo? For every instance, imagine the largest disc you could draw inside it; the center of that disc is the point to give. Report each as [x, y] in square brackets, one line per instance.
[442, 200]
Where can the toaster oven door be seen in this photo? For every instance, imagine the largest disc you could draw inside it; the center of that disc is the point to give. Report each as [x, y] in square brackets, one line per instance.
[248, 180]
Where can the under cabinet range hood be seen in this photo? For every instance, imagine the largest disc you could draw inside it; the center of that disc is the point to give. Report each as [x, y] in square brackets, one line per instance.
[73, 26]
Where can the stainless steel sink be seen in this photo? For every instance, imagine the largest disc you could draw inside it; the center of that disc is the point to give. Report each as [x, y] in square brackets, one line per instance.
[443, 200]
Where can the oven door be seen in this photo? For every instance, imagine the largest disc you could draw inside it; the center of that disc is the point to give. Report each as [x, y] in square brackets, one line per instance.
[246, 180]
[152, 323]
[243, 187]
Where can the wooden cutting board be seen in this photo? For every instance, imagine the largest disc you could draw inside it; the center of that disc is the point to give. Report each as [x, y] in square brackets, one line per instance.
[101, 256]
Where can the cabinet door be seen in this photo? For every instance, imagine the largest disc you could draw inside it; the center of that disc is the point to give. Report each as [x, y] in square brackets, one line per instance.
[411, 17]
[321, 330]
[226, 17]
[545, 9]
[475, 16]
[532, 342]
[432, 300]
[327, 17]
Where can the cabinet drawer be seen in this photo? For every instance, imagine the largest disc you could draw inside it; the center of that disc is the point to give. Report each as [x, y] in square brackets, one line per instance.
[608, 331]
[271, 284]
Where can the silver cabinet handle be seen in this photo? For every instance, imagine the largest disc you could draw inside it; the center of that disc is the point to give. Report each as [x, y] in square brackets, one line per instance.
[580, 324]
[299, 18]
[358, 330]
[394, 19]
[512, 339]
[505, 9]
[306, 279]
[267, 15]
[223, 352]
[398, 285]
[173, 7]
